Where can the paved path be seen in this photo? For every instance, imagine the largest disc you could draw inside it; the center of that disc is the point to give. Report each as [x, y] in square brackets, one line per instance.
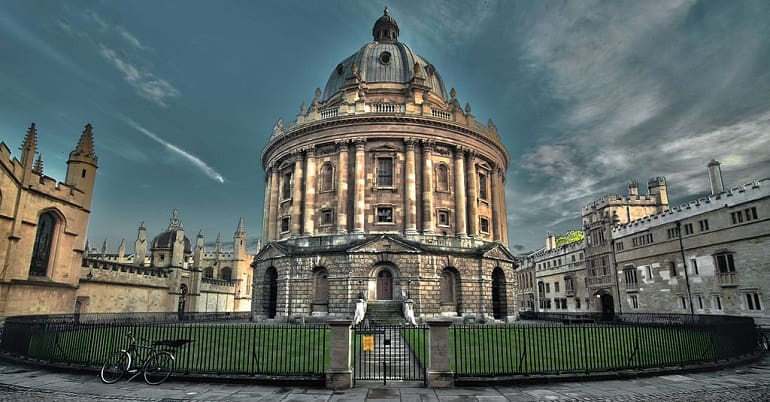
[745, 383]
[401, 362]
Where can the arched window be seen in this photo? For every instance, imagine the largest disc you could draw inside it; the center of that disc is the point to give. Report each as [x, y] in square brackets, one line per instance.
[499, 297]
[449, 287]
[208, 272]
[41, 253]
[442, 177]
[270, 292]
[327, 177]
[226, 274]
[320, 286]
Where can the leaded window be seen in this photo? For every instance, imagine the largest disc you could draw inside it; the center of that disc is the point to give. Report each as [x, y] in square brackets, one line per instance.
[41, 254]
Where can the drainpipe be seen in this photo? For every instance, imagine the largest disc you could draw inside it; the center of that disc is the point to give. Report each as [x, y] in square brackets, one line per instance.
[684, 264]
[615, 275]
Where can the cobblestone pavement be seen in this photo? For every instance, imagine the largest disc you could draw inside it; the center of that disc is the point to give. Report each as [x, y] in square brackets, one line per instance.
[745, 383]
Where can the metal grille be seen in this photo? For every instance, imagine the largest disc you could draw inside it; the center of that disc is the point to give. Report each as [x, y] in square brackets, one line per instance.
[395, 353]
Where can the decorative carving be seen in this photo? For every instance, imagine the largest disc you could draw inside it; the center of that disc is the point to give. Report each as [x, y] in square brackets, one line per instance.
[303, 108]
[428, 145]
[452, 93]
[360, 143]
[410, 143]
[341, 145]
[278, 127]
[468, 108]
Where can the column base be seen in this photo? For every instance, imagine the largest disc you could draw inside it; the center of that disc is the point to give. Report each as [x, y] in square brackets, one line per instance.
[339, 379]
[440, 379]
[427, 232]
[461, 235]
[411, 231]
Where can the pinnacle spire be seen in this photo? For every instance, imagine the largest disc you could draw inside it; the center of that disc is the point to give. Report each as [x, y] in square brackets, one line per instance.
[241, 228]
[85, 145]
[38, 168]
[29, 146]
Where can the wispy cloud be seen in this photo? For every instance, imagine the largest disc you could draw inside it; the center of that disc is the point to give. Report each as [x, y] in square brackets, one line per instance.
[147, 85]
[197, 162]
[130, 38]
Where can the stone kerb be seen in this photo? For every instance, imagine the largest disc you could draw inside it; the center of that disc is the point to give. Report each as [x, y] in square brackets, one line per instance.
[339, 375]
[440, 373]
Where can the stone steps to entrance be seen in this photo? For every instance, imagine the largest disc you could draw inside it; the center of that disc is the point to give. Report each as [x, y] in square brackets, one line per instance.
[385, 312]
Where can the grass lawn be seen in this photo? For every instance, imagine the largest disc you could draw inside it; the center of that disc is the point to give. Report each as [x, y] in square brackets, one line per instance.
[490, 350]
[223, 349]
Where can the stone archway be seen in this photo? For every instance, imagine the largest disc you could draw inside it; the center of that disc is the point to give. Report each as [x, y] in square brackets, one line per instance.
[499, 299]
[384, 283]
[270, 292]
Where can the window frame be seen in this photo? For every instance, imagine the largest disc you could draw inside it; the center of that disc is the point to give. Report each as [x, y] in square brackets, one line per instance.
[442, 211]
[447, 182]
[378, 175]
[327, 185]
[321, 214]
[383, 207]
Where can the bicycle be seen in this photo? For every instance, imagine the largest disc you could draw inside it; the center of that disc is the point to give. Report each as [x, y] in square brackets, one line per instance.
[156, 367]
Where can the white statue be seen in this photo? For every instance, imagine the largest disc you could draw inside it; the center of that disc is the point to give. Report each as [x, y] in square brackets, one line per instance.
[360, 311]
[409, 313]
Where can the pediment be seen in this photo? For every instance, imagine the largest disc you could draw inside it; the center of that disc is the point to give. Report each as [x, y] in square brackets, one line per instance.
[384, 243]
[384, 149]
[270, 251]
[499, 252]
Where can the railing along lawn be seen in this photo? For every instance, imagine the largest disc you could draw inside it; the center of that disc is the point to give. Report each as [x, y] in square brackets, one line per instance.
[245, 349]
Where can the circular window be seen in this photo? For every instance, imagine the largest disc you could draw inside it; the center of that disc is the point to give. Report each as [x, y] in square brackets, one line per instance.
[385, 57]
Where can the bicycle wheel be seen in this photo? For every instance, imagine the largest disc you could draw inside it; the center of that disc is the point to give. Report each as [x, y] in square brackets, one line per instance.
[158, 367]
[114, 369]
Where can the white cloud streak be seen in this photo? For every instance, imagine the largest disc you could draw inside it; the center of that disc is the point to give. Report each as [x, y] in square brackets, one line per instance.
[197, 162]
[146, 84]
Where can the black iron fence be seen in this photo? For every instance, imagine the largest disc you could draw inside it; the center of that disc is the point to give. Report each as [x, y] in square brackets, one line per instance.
[629, 341]
[230, 348]
[390, 353]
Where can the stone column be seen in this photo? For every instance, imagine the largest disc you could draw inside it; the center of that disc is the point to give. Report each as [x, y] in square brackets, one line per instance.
[296, 199]
[411, 189]
[496, 204]
[440, 373]
[427, 187]
[473, 188]
[504, 209]
[359, 217]
[339, 375]
[309, 204]
[460, 199]
[274, 232]
[342, 187]
[266, 205]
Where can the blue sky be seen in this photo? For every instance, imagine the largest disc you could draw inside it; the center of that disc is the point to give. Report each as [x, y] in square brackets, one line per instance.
[183, 95]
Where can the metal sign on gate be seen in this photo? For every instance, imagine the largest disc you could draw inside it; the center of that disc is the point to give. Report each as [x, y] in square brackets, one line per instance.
[390, 353]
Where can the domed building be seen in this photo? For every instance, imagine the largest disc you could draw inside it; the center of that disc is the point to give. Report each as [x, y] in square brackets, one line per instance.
[384, 189]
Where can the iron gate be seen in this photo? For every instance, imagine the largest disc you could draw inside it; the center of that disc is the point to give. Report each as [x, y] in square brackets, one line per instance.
[390, 353]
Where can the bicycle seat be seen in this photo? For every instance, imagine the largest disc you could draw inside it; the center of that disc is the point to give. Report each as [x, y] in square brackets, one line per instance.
[175, 343]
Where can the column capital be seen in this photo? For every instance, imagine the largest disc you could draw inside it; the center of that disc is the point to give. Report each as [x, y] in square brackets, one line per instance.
[428, 145]
[360, 142]
[410, 143]
[309, 150]
[472, 154]
[341, 145]
[460, 151]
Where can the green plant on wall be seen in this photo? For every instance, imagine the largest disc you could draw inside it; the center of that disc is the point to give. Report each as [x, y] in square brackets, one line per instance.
[570, 237]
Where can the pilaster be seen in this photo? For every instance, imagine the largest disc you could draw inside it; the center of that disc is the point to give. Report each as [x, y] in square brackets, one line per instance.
[473, 188]
[460, 199]
[496, 225]
[411, 188]
[296, 201]
[427, 186]
[309, 193]
[342, 187]
[359, 217]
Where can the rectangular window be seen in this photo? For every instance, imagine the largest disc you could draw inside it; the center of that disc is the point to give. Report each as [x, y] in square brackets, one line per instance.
[751, 213]
[327, 217]
[717, 302]
[384, 172]
[286, 186]
[725, 263]
[483, 224]
[634, 302]
[682, 303]
[673, 233]
[737, 217]
[443, 217]
[285, 221]
[688, 229]
[483, 186]
[700, 302]
[752, 301]
[649, 272]
[630, 275]
[618, 247]
[384, 214]
[704, 225]
[547, 288]
[556, 287]
[672, 268]
[577, 303]
[694, 264]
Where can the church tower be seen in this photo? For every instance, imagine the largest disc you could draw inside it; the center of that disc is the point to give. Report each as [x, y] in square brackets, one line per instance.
[239, 241]
[82, 165]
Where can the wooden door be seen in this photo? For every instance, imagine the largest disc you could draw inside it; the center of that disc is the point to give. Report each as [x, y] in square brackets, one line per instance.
[384, 285]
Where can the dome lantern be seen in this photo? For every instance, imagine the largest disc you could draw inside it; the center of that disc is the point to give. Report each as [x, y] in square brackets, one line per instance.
[385, 28]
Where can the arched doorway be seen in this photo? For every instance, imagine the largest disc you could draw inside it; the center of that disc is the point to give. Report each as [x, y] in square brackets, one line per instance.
[499, 302]
[320, 290]
[384, 285]
[607, 305]
[270, 297]
[450, 291]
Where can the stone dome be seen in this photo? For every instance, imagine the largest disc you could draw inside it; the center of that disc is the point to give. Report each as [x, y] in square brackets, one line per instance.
[384, 60]
[166, 240]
